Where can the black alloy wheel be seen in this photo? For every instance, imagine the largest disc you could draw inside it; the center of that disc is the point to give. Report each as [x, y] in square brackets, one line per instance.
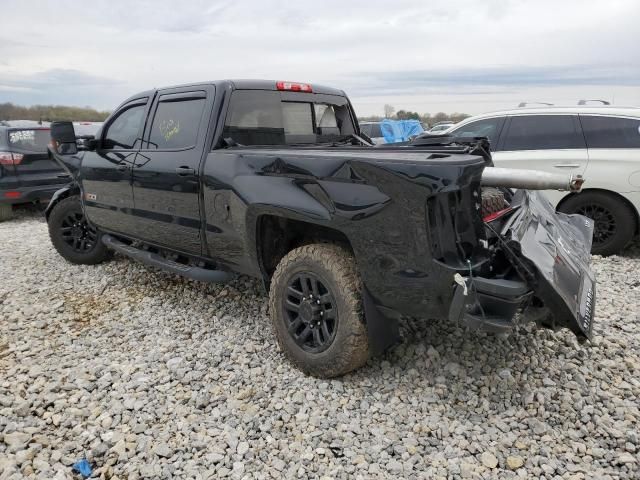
[604, 223]
[77, 233]
[73, 236]
[311, 313]
[614, 220]
[316, 309]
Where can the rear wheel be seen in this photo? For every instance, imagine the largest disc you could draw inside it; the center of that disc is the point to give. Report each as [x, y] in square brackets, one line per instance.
[614, 220]
[72, 236]
[6, 212]
[316, 310]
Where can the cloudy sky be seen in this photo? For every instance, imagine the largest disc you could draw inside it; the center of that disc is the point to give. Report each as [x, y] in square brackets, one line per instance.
[441, 55]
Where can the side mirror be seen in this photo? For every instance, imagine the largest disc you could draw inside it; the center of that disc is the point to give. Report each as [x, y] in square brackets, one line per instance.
[87, 142]
[63, 138]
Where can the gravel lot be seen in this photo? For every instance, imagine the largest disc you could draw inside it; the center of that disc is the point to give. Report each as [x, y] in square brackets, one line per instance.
[153, 376]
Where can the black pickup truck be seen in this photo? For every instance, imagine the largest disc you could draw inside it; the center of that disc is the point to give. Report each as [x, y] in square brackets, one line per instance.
[274, 180]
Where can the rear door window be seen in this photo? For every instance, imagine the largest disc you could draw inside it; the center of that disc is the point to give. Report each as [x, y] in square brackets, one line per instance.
[611, 132]
[543, 132]
[177, 121]
[29, 140]
[123, 133]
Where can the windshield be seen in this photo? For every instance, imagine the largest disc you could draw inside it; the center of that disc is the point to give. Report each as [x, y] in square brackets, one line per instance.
[259, 117]
[29, 140]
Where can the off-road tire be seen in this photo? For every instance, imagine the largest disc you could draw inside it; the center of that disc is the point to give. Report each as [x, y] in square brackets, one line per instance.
[336, 268]
[6, 212]
[622, 216]
[97, 253]
[492, 201]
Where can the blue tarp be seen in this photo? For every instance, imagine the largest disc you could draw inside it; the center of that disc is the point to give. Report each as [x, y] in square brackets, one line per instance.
[400, 130]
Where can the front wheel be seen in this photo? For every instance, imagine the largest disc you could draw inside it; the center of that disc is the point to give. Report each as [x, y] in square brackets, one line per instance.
[72, 236]
[316, 310]
[614, 220]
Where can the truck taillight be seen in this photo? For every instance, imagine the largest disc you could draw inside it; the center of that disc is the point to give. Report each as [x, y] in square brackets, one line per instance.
[294, 87]
[495, 215]
[8, 158]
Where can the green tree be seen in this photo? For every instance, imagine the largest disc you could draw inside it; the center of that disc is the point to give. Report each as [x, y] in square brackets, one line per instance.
[49, 113]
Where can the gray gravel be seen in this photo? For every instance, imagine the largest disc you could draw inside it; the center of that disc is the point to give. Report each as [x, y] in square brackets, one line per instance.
[153, 376]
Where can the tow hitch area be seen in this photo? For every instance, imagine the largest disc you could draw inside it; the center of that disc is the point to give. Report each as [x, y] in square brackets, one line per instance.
[540, 267]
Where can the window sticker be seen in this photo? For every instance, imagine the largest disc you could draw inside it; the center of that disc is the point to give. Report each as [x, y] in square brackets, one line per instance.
[22, 136]
[168, 128]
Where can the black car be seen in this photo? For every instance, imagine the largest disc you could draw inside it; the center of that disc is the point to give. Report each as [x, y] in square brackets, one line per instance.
[27, 172]
[274, 180]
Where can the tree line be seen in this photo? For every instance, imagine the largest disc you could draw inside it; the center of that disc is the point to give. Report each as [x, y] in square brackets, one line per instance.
[50, 113]
[426, 118]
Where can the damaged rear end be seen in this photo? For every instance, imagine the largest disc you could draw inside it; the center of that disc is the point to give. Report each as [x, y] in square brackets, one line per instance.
[535, 262]
[539, 262]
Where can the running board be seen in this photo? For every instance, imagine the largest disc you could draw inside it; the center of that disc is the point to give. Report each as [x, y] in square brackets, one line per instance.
[154, 260]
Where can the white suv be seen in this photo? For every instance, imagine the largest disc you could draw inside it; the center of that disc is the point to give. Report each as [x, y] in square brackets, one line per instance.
[602, 143]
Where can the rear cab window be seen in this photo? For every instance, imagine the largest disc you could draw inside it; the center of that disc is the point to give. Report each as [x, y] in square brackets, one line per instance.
[262, 117]
[543, 132]
[28, 139]
[611, 132]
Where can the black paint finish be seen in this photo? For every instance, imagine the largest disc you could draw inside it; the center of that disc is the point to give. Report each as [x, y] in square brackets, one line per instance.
[411, 217]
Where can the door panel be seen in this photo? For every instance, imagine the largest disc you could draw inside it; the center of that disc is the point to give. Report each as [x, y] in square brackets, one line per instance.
[106, 185]
[551, 143]
[166, 178]
[105, 176]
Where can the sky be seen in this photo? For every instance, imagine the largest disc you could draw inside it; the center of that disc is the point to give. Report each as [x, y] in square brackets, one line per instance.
[468, 56]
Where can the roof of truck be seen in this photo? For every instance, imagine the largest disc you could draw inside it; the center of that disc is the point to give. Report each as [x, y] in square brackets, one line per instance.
[240, 84]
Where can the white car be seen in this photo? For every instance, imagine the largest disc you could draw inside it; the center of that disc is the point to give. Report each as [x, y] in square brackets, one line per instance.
[601, 143]
[440, 128]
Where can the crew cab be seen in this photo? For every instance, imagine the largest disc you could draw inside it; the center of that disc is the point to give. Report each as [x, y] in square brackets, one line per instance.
[274, 180]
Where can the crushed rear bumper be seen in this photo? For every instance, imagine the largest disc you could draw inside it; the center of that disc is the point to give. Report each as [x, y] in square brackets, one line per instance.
[551, 281]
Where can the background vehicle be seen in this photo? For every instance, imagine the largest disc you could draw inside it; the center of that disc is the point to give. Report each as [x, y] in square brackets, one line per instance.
[373, 131]
[440, 127]
[85, 130]
[27, 173]
[271, 179]
[600, 142]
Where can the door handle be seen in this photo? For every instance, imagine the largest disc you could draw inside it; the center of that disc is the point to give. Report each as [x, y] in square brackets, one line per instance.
[567, 165]
[123, 166]
[184, 171]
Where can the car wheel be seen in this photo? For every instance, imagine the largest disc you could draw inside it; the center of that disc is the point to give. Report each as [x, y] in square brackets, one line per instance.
[614, 220]
[316, 310]
[6, 212]
[72, 236]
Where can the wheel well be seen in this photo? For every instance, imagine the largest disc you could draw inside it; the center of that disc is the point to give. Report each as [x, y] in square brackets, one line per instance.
[58, 197]
[610, 193]
[277, 236]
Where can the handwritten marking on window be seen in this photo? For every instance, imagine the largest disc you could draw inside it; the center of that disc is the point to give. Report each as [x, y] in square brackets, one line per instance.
[168, 128]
